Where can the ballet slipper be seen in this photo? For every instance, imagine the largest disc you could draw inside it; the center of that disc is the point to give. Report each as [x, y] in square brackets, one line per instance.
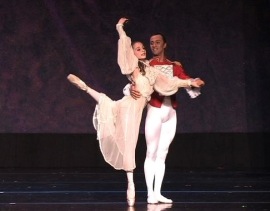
[131, 194]
[151, 199]
[163, 199]
[77, 82]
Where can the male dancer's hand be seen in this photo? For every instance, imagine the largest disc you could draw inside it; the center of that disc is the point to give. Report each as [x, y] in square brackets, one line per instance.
[134, 93]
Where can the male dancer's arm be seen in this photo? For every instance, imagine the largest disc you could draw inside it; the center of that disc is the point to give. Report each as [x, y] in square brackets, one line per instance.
[193, 92]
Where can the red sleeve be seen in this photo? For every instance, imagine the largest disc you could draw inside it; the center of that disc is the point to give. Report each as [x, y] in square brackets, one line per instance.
[180, 72]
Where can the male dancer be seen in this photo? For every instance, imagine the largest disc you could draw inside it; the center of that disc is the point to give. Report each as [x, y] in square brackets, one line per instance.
[161, 119]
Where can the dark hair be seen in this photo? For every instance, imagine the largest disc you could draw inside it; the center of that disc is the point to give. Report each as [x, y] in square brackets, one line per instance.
[134, 42]
[141, 65]
[162, 35]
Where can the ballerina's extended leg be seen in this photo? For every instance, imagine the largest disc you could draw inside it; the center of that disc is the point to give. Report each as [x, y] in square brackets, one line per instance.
[81, 85]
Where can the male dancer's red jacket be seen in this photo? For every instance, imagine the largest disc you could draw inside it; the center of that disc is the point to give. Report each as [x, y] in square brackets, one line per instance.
[156, 98]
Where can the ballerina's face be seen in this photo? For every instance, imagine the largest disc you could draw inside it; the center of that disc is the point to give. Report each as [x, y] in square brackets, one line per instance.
[139, 50]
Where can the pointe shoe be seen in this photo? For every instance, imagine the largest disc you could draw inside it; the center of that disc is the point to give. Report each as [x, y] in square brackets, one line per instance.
[131, 194]
[151, 199]
[77, 82]
[163, 199]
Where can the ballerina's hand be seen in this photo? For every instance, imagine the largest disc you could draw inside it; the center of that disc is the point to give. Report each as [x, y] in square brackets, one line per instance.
[122, 20]
[197, 82]
[200, 82]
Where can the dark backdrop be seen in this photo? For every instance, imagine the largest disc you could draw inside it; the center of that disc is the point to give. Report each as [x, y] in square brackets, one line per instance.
[225, 42]
[46, 122]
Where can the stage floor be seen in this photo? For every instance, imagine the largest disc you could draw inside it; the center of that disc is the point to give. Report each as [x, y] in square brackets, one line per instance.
[105, 189]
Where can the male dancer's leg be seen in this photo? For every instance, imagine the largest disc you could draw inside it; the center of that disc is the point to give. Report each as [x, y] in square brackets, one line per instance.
[166, 136]
[158, 138]
[152, 133]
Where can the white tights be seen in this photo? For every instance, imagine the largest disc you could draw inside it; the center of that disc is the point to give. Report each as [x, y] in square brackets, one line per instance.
[160, 128]
[96, 95]
[130, 178]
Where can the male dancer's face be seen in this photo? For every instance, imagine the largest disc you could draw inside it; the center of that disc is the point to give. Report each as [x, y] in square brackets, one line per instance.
[157, 45]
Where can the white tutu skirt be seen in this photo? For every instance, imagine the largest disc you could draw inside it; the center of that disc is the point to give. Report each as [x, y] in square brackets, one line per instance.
[117, 124]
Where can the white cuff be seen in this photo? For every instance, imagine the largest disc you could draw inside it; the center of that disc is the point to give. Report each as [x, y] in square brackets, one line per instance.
[126, 90]
[193, 92]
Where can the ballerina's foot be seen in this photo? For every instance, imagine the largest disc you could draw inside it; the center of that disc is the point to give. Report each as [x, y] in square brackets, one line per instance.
[131, 194]
[77, 82]
[163, 199]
